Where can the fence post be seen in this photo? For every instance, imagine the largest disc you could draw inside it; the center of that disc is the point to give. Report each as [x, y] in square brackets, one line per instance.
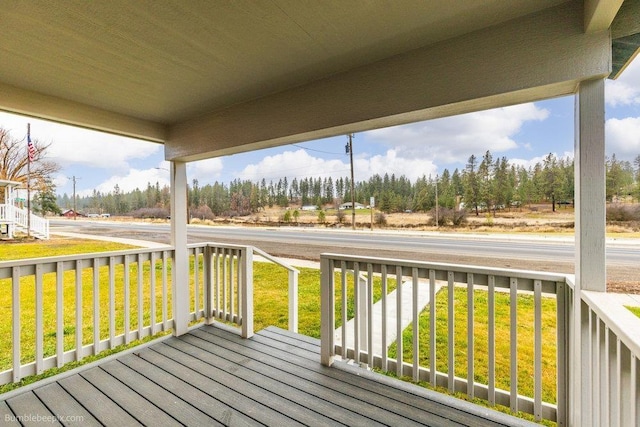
[246, 283]
[293, 300]
[327, 311]
[180, 267]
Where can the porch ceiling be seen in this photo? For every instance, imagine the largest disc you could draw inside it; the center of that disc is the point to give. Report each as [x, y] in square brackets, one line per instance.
[147, 68]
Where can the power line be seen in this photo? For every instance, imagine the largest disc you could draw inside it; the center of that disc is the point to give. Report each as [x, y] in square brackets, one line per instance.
[318, 151]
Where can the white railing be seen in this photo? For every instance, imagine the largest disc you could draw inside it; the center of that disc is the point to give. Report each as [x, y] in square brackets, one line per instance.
[292, 288]
[610, 368]
[397, 291]
[66, 308]
[63, 309]
[18, 217]
[223, 285]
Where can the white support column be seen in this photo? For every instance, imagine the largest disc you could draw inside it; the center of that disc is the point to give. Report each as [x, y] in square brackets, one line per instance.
[180, 268]
[590, 263]
[590, 187]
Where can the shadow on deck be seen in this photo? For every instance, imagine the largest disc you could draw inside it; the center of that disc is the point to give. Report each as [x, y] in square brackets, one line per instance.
[213, 377]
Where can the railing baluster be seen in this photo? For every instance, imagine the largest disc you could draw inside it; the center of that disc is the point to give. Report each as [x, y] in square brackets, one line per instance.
[127, 300]
[633, 386]
[196, 282]
[165, 290]
[451, 330]
[343, 286]
[383, 320]
[561, 352]
[357, 312]
[216, 269]
[59, 314]
[513, 341]
[15, 330]
[234, 263]
[416, 324]
[79, 311]
[96, 306]
[399, 347]
[140, 297]
[470, 331]
[537, 352]
[225, 259]
[112, 302]
[207, 284]
[39, 320]
[432, 328]
[491, 308]
[370, 314]
[152, 295]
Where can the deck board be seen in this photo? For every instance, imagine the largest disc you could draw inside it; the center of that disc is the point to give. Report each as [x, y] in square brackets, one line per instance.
[65, 406]
[211, 376]
[97, 403]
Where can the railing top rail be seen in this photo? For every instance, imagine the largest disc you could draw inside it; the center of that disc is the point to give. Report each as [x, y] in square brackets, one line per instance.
[83, 256]
[217, 245]
[506, 272]
[274, 260]
[621, 321]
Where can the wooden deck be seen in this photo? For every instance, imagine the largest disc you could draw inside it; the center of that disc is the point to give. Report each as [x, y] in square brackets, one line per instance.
[213, 377]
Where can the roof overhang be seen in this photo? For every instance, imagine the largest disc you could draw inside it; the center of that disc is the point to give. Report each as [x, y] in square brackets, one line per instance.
[222, 77]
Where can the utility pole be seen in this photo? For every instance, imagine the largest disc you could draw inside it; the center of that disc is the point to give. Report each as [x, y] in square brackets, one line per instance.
[353, 193]
[437, 219]
[29, 158]
[75, 208]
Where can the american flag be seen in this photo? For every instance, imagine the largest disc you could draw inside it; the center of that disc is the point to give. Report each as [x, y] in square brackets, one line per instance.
[31, 148]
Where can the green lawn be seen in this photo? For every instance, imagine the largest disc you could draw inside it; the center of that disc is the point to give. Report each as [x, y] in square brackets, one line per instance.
[271, 308]
[634, 310]
[525, 346]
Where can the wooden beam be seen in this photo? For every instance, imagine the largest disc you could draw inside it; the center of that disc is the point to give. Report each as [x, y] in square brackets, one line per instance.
[28, 103]
[599, 14]
[180, 268]
[590, 192]
[531, 58]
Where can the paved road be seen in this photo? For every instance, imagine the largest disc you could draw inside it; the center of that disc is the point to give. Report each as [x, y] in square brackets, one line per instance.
[500, 251]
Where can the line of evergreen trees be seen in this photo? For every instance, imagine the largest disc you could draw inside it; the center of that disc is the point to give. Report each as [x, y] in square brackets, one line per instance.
[484, 184]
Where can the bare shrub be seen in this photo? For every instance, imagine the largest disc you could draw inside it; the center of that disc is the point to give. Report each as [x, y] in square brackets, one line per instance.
[202, 212]
[340, 216]
[380, 218]
[150, 213]
[623, 213]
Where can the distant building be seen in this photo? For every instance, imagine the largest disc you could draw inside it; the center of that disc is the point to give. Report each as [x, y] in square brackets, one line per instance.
[348, 206]
[309, 208]
[70, 213]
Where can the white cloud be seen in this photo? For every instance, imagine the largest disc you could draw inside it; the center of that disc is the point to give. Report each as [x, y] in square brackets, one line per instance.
[530, 163]
[205, 171]
[622, 137]
[454, 139]
[293, 164]
[626, 89]
[391, 163]
[135, 178]
[299, 164]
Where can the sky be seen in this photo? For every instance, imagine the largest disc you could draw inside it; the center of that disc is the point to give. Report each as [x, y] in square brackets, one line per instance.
[524, 134]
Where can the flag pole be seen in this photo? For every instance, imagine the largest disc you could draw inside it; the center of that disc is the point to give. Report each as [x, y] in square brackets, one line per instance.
[28, 180]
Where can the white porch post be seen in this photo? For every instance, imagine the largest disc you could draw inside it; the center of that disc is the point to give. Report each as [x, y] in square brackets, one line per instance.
[590, 263]
[590, 187]
[180, 268]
